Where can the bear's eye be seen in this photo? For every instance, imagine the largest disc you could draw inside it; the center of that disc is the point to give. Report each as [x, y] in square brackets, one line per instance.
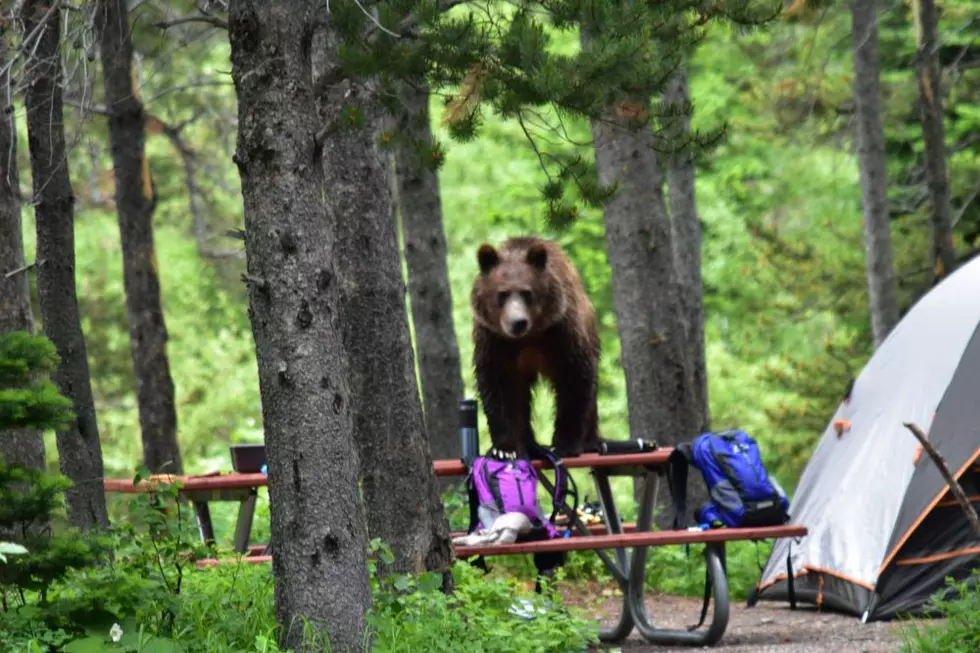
[527, 296]
[502, 297]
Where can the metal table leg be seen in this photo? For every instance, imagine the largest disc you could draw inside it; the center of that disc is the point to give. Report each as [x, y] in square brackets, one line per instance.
[246, 512]
[716, 575]
[619, 571]
[203, 514]
[620, 568]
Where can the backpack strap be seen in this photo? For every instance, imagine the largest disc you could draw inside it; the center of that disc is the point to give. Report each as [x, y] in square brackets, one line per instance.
[707, 588]
[677, 464]
[563, 479]
[474, 503]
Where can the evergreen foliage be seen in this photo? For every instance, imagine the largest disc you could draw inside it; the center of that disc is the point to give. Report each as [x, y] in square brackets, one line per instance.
[30, 498]
[501, 59]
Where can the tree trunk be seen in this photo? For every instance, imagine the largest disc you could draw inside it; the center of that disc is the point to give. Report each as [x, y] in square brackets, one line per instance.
[135, 203]
[79, 449]
[404, 507]
[882, 298]
[686, 237]
[645, 286]
[942, 257]
[417, 199]
[21, 447]
[292, 225]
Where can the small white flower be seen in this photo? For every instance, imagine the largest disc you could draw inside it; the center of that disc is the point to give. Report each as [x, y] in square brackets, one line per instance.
[116, 632]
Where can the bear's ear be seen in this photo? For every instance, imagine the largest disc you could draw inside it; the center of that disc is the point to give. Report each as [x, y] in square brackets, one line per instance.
[487, 257]
[537, 255]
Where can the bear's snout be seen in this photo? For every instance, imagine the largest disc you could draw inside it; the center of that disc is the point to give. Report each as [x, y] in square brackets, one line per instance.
[515, 319]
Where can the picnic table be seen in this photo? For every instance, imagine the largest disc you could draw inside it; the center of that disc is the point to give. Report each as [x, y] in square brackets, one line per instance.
[201, 490]
[612, 541]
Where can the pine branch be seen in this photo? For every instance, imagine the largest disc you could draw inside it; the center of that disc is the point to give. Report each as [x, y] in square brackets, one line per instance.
[214, 21]
[954, 486]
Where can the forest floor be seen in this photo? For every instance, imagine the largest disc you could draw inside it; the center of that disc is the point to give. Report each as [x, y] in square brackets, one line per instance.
[765, 628]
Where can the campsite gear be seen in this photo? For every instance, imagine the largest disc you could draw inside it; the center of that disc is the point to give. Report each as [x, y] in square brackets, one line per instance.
[498, 483]
[883, 529]
[742, 492]
[617, 447]
[504, 530]
[247, 458]
[503, 485]
[468, 435]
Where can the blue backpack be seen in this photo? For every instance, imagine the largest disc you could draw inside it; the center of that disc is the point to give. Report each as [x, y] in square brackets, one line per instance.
[741, 492]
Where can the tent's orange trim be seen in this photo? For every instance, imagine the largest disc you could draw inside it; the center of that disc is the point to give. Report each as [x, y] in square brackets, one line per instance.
[936, 558]
[845, 577]
[807, 569]
[779, 577]
[932, 504]
[954, 502]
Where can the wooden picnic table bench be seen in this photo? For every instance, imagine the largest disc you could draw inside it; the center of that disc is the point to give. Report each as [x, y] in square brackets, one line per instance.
[610, 540]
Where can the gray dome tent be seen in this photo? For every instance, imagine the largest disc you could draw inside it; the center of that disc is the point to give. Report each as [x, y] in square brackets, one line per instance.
[883, 529]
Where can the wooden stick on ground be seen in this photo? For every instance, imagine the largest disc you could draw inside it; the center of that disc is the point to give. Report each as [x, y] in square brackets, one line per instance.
[954, 486]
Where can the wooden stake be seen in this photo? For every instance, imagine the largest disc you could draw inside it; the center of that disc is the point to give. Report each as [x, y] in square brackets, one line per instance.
[954, 486]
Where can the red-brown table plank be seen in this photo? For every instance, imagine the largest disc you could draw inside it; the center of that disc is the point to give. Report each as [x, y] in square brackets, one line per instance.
[628, 540]
[593, 542]
[591, 460]
[441, 468]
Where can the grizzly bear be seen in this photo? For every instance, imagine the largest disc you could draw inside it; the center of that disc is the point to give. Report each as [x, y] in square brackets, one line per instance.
[532, 318]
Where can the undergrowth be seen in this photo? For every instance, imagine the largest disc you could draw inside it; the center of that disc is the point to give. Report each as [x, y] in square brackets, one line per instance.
[152, 598]
[959, 603]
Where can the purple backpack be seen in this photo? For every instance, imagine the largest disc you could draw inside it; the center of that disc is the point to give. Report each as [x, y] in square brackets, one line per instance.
[498, 486]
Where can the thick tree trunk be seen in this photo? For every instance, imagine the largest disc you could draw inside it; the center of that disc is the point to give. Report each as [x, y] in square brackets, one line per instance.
[646, 291]
[292, 225]
[135, 203]
[79, 449]
[686, 237]
[388, 425]
[21, 447]
[418, 202]
[942, 256]
[880, 269]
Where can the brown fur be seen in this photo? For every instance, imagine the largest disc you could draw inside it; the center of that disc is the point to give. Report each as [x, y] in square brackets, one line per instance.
[561, 345]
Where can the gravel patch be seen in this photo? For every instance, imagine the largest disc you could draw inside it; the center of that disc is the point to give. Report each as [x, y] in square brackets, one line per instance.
[765, 628]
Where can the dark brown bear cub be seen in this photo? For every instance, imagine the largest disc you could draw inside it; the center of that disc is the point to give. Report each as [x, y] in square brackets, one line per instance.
[533, 318]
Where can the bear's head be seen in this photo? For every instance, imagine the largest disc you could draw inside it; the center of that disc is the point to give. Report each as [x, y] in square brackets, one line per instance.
[515, 294]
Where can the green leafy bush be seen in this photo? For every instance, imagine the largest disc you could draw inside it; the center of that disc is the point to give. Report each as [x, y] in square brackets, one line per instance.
[959, 603]
[151, 597]
[485, 613]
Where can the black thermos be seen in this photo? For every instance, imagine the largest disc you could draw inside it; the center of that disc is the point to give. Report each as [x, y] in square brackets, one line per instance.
[469, 437]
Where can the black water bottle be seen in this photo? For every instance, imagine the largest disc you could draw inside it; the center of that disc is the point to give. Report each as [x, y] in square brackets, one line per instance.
[469, 437]
[614, 447]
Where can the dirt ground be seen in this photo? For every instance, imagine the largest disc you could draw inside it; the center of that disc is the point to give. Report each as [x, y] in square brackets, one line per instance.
[765, 628]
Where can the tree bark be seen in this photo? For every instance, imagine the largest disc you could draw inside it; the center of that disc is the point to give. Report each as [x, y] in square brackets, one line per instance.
[942, 256]
[686, 237]
[20, 447]
[292, 233]
[418, 203]
[135, 204]
[646, 290]
[882, 299]
[79, 449]
[404, 507]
